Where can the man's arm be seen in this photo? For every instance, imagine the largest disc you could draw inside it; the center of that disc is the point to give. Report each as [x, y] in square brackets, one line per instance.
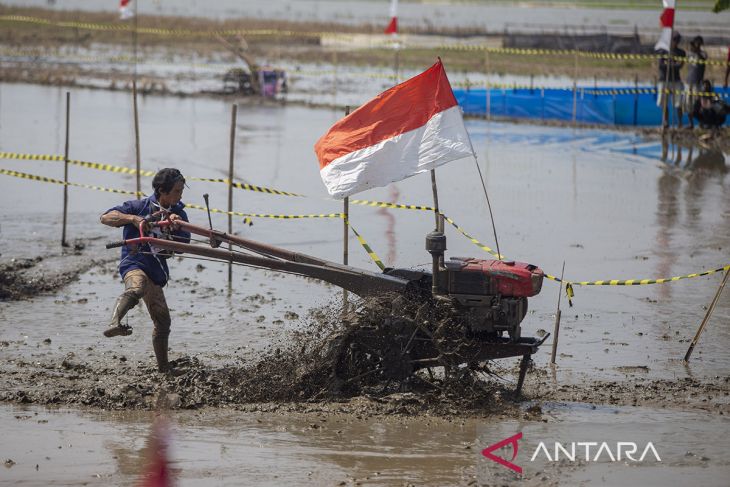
[115, 218]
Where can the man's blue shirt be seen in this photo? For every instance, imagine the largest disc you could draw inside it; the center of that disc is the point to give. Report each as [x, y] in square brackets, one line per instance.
[153, 265]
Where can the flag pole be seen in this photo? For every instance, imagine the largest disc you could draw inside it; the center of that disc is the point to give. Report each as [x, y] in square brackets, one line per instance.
[345, 235]
[665, 95]
[435, 197]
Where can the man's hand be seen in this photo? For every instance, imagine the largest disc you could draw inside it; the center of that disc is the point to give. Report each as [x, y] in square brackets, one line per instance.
[174, 219]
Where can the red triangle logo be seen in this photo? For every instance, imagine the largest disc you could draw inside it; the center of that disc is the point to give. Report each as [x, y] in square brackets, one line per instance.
[512, 440]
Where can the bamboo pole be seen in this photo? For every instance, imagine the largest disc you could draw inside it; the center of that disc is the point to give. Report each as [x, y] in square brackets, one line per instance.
[556, 327]
[234, 111]
[65, 171]
[488, 92]
[706, 318]
[136, 139]
[345, 238]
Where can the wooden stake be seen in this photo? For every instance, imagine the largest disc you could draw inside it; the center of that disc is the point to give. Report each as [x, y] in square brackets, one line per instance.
[234, 110]
[489, 94]
[575, 88]
[65, 172]
[136, 138]
[556, 328]
[707, 317]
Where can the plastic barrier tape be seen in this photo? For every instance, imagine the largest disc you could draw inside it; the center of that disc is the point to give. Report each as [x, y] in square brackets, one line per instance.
[365, 245]
[44, 179]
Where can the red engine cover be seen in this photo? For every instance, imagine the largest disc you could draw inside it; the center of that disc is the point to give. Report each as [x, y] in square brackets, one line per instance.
[508, 278]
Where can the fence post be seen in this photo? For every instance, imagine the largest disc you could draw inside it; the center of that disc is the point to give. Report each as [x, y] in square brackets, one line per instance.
[65, 172]
[488, 91]
[234, 111]
[136, 137]
[636, 100]
[575, 102]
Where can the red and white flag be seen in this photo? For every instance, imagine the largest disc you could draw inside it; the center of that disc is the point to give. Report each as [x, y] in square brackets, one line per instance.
[666, 22]
[125, 10]
[411, 128]
[393, 25]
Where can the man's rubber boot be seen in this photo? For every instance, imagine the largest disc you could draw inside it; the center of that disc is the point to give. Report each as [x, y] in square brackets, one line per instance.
[159, 344]
[124, 303]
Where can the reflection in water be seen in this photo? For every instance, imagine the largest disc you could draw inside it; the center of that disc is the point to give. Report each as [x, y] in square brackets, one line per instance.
[150, 463]
[701, 163]
[393, 195]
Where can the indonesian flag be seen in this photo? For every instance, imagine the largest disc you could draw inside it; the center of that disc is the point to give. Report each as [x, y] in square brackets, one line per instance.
[411, 128]
[125, 11]
[393, 25]
[666, 22]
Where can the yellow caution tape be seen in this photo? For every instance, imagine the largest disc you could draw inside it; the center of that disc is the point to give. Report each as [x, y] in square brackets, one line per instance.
[91, 165]
[365, 245]
[567, 52]
[639, 282]
[569, 293]
[248, 187]
[293, 217]
[247, 219]
[44, 179]
[383, 204]
[122, 27]
[472, 239]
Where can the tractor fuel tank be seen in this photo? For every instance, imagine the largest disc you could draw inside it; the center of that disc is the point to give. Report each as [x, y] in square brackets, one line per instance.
[470, 276]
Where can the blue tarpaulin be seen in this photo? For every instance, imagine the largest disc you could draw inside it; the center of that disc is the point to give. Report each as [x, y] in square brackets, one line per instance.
[557, 104]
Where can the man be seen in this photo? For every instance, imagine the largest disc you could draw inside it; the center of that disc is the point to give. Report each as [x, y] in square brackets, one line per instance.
[696, 60]
[709, 109]
[144, 269]
[671, 83]
[727, 67]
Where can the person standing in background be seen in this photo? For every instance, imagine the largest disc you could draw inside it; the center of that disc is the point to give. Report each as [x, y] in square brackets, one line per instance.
[696, 62]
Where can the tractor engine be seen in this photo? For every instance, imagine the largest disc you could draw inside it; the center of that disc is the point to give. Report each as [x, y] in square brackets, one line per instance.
[491, 294]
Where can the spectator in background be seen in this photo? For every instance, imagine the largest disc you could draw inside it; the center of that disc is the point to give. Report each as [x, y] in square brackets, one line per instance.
[671, 83]
[727, 67]
[695, 74]
[709, 110]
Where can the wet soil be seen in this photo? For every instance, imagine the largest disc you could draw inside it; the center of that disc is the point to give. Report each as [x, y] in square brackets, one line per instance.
[297, 373]
[27, 277]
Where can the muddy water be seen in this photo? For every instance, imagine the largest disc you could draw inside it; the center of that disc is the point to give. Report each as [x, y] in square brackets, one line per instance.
[610, 204]
[214, 447]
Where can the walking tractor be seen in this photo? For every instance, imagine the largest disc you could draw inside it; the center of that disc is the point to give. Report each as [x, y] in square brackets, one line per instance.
[464, 312]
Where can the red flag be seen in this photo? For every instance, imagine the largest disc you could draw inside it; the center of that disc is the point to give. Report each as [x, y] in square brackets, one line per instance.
[413, 127]
[666, 22]
[125, 11]
[393, 25]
